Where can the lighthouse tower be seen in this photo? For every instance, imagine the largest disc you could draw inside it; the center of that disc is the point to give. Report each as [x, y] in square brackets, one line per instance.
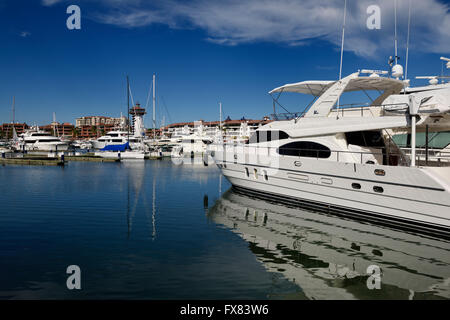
[137, 124]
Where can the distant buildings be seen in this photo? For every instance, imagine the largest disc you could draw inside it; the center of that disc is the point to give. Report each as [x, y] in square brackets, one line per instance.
[101, 120]
[96, 126]
[6, 129]
[59, 129]
[227, 123]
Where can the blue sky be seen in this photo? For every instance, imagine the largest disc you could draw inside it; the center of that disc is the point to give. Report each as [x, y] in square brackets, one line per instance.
[202, 52]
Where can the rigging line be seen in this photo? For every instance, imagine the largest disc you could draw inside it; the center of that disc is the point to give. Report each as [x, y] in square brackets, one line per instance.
[131, 96]
[148, 95]
[165, 107]
[407, 41]
[342, 49]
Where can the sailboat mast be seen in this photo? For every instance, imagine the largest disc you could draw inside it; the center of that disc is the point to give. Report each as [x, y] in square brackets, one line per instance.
[154, 107]
[128, 109]
[14, 110]
[220, 123]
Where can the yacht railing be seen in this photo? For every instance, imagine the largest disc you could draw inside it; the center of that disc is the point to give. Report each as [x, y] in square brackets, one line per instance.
[430, 157]
[353, 108]
[435, 158]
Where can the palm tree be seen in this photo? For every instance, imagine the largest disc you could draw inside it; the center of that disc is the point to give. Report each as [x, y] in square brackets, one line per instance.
[75, 132]
[94, 130]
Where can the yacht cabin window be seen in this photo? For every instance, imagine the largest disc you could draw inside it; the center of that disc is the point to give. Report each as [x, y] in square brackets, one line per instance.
[305, 149]
[372, 139]
[267, 136]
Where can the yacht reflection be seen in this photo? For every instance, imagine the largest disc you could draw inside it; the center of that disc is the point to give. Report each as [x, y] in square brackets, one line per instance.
[328, 257]
[135, 180]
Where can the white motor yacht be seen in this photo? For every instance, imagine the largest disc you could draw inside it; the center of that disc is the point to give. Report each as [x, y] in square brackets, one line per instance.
[344, 161]
[192, 146]
[39, 140]
[117, 138]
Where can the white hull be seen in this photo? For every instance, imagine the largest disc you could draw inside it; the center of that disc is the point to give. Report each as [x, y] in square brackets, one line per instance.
[42, 146]
[121, 155]
[410, 197]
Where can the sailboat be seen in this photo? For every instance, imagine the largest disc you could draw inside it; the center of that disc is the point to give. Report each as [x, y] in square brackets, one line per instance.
[123, 151]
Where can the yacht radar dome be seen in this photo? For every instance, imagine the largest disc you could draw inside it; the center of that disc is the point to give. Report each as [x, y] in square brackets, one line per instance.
[433, 80]
[397, 71]
[448, 61]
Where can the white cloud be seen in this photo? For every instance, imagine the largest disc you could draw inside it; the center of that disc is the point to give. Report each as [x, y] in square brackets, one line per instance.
[290, 22]
[49, 3]
[25, 34]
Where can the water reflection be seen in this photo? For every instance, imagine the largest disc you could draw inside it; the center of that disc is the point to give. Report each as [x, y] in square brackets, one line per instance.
[328, 257]
[135, 194]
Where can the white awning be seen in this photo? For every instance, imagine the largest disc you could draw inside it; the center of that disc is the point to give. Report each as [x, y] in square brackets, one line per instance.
[316, 88]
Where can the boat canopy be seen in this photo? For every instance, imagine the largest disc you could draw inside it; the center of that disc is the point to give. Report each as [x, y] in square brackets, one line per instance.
[317, 88]
[116, 147]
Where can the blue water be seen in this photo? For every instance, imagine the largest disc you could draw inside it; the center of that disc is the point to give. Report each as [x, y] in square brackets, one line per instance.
[156, 230]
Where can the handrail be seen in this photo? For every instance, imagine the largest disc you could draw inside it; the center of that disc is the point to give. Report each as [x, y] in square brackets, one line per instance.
[439, 157]
[361, 107]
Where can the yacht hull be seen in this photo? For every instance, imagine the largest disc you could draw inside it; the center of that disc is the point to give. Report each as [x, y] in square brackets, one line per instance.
[404, 197]
[47, 147]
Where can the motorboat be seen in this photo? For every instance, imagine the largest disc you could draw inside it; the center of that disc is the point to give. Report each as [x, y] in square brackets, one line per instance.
[342, 158]
[117, 138]
[82, 144]
[35, 139]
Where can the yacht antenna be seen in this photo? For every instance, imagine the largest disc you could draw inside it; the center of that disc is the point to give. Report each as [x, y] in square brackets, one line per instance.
[395, 30]
[407, 41]
[342, 50]
[342, 42]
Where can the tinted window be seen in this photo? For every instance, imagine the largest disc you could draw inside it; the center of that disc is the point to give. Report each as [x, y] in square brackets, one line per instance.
[365, 138]
[267, 136]
[305, 149]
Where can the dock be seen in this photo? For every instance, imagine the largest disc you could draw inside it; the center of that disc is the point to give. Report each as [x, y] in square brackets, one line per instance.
[32, 161]
[90, 158]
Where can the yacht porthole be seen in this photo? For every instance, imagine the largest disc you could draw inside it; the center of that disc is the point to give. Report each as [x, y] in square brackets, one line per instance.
[378, 189]
[246, 172]
[356, 186]
[255, 173]
[380, 172]
[266, 177]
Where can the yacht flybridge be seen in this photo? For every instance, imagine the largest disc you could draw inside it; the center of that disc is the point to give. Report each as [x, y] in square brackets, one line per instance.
[342, 159]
